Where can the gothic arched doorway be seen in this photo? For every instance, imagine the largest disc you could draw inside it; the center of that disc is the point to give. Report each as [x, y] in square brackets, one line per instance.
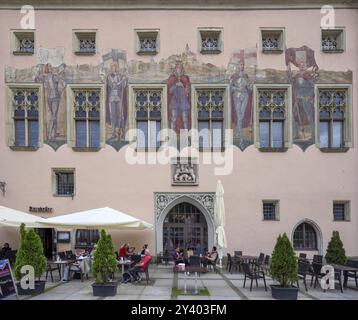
[185, 226]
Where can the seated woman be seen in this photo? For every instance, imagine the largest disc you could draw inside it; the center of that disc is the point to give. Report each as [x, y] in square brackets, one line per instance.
[178, 256]
[211, 257]
[124, 251]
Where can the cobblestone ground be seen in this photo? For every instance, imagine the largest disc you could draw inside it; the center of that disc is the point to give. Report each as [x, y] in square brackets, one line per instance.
[220, 286]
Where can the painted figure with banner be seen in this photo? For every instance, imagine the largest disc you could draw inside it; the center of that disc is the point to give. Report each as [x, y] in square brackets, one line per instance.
[303, 82]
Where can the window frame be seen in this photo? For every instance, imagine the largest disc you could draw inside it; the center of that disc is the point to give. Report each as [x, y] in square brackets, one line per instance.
[348, 119]
[78, 246]
[347, 210]
[71, 122]
[16, 34]
[153, 33]
[226, 117]
[211, 30]
[273, 30]
[276, 204]
[287, 134]
[76, 37]
[54, 172]
[316, 248]
[9, 115]
[341, 32]
[132, 119]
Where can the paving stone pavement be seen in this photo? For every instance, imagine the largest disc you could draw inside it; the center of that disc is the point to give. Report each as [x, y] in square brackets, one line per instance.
[221, 286]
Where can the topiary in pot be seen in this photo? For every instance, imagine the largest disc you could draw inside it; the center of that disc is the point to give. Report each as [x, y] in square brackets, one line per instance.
[335, 250]
[284, 269]
[30, 253]
[104, 265]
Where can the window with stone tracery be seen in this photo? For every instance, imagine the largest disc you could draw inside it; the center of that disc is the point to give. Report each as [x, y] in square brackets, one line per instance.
[272, 117]
[210, 114]
[272, 40]
[87, 105]
[84, 42]
[332, 40]
[332, 106]
[210, 40]
[148, 116]
[23, 42]
[147, 42]
[26, 116]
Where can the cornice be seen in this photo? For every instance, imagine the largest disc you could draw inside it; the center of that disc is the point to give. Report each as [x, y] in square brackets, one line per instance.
[177, 4]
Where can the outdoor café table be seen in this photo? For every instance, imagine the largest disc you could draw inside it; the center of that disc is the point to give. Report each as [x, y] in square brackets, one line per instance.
[62, 264]
[124, 263]
[344, 269]
[191, 269]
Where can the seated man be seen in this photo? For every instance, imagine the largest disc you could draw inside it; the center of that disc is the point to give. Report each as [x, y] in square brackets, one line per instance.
[5, 248]
[211, 257]
[140, 266]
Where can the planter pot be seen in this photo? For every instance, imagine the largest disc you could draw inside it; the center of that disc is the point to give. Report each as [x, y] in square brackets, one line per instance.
[39, 288]
[105, 290]
[281, 293]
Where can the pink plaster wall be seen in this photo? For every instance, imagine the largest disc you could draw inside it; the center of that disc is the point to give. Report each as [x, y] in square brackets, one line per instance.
[305, 182]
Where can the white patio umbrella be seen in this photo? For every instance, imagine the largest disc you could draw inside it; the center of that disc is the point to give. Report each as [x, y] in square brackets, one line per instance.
[13, 218]
[219, 212]
[101, 218]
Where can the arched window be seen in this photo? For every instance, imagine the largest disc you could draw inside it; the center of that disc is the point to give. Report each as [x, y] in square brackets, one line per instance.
[305, 237]
[86, 238]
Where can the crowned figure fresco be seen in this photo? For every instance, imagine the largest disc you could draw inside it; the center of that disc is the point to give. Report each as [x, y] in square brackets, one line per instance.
[179, 104]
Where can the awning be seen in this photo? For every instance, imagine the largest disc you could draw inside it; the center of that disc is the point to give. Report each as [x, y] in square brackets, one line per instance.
[13, 218]
[101, 218]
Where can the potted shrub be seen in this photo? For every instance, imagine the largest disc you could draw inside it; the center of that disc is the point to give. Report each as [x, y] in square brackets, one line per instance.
[104, 265]
[284, 269]
[30, 253]
[335, 250]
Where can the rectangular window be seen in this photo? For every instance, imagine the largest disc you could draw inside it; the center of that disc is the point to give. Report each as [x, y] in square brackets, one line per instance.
[87, 105]
[210, 113]
[332, 40]
[23, 42]
[64, 182]
[341, 211]
[84, 42]
[26, 116]
[148, 106]
[272, 117]
[332, 116]
[210, 40]
[147, 41]
[270, 210]
[272, 40]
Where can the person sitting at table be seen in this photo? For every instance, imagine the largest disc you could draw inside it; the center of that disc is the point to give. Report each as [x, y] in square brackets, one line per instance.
[124, 251]
[140, 266]
[5, 248]
[178, 256]
[145, 247]
[211, 257]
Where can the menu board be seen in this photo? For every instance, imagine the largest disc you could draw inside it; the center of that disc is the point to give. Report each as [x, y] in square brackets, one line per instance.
[7, 283]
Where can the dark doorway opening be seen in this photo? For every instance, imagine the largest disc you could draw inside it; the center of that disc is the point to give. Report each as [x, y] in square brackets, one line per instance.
[47, 238]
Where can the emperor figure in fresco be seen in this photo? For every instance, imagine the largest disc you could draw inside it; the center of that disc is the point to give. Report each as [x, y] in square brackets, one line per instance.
[179, 99]
[303, 82]
[55, 84]
[116, 86]
[241, 92]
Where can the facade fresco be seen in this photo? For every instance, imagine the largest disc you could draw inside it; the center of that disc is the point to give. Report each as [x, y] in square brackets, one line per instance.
[178, 71]
[179, 99]
[241, 90]
[114, 67]
[303, 83]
